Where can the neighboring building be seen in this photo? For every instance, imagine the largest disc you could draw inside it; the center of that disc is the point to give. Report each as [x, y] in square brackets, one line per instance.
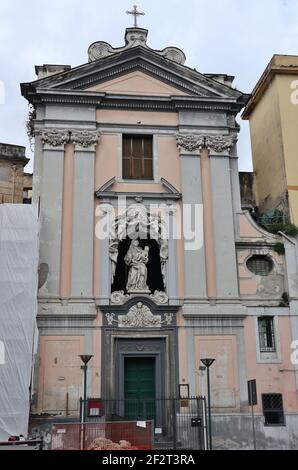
[137, 126]
[272, 112]
[15, 185]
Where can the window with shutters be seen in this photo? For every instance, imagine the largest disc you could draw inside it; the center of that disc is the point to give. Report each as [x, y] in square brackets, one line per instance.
[137, 160]
[273, 409]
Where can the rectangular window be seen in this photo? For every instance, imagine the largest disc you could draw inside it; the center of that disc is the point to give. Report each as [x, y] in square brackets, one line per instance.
[137, 157]
[273, 409]
[266, 334]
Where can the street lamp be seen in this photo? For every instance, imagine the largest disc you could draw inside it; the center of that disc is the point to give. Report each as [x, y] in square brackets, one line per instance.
[208, 363]
[85, 358]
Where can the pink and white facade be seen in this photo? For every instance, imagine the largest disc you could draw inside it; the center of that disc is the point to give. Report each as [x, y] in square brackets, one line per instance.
[226, 293]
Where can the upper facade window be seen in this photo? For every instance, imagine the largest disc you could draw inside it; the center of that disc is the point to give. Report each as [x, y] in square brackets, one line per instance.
[260, 265]
[137, 159]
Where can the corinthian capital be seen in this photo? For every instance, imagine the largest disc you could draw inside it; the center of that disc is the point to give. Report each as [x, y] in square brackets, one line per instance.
[55, 137]
[190, 142]
[220, 143]
[86, 138]
[193, 142]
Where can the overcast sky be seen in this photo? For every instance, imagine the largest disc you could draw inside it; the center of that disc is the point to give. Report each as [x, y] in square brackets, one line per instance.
[235, 37]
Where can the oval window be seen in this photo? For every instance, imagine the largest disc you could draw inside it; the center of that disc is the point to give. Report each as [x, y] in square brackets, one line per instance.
[260, 265]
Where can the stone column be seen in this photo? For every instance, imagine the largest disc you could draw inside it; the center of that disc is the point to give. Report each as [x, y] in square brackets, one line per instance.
[53, 141]
[225, 265]
[83, 217]
[67, 223]
[211, 282]
[172, 288]
[191, 183]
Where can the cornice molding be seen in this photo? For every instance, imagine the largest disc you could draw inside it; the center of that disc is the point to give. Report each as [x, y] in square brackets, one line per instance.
[193, 142]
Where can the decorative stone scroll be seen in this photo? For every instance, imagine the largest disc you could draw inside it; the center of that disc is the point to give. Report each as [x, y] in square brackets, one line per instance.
[59, 137]
[139, 316]
[218, 143]
[119, 298]
[133, 37]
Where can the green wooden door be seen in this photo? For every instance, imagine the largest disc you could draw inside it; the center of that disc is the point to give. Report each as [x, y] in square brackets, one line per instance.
[139, 387]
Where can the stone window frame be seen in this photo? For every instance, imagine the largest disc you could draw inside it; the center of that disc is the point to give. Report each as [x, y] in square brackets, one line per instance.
[149, 132]
[267, 257]
[268, 357]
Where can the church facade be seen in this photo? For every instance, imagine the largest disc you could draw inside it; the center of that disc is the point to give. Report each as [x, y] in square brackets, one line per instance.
[147, 261]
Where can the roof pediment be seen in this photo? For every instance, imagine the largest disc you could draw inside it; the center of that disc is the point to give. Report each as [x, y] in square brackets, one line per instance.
[137, 83]
[91, 76]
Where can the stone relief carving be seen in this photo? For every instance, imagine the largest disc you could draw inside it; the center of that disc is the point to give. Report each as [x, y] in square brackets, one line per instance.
[119, 298]
[99, 50]
[59, 137]
[175, 54]
[139, 316]
[133, 37]
[55, 137]
[160, 298]
[193, 142]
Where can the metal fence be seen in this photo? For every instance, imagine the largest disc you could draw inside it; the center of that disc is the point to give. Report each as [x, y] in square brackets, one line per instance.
[122, 435]
[176, 423]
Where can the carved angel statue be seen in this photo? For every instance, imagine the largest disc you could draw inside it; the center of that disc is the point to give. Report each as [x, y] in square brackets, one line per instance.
[137, 258]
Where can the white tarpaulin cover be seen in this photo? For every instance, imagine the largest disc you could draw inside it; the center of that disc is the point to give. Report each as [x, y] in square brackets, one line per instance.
[18, 307]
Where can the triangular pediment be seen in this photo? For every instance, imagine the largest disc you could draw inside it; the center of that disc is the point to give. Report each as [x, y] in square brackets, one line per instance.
[137, 83]
[135, 72]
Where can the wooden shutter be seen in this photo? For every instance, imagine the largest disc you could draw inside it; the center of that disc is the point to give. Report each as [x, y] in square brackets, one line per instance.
[137, 157]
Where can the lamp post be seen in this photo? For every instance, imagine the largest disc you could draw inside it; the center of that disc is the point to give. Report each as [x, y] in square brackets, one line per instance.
[85, 358]
[208, 363]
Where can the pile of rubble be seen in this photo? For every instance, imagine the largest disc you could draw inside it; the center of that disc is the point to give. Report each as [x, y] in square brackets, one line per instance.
[100, 443]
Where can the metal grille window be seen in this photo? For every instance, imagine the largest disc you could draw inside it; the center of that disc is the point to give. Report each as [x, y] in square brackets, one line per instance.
[266, 334]
[273, 409]
[260, 265]
[137, 157]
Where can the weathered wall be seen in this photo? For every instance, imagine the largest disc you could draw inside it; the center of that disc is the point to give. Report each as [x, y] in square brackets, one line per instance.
[268, 150]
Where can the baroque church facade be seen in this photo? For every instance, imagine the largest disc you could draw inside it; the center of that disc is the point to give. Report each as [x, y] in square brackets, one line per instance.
[147, 261]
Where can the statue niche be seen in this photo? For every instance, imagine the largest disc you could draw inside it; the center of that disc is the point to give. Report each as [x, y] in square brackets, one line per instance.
[138, 252]
[138, 268]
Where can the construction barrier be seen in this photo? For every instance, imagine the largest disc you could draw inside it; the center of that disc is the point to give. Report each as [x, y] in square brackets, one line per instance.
[124, 435]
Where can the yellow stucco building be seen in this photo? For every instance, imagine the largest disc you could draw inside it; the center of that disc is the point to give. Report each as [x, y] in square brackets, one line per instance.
[272, 112]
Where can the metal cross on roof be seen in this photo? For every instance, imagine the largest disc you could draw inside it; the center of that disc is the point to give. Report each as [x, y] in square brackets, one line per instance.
[135, 13]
